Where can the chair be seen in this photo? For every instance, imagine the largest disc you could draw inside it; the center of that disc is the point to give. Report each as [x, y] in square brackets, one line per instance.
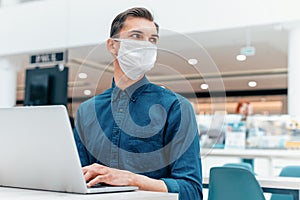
[288, 171]
[239, 165]
[233, 183]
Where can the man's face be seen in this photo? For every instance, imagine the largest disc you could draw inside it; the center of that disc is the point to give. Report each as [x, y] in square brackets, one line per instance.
[135, 28]
[139, 29]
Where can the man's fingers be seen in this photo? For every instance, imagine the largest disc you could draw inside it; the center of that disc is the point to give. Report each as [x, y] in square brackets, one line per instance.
[96, 180]
[89, 176]
[85, 169]
[92, 171]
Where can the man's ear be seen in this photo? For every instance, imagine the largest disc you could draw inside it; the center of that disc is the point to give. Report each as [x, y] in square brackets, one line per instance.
[112, 47]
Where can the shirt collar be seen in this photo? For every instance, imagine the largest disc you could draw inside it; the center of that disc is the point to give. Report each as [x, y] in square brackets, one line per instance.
[132, 91]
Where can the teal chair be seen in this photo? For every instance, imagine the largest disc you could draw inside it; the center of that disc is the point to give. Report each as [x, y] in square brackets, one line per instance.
[233, 183]
[240, 165]
[288, 171]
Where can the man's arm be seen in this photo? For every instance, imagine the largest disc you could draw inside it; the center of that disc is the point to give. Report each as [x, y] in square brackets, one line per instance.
[84, 155]
[182, 134]
[186, 174]
[82, 151]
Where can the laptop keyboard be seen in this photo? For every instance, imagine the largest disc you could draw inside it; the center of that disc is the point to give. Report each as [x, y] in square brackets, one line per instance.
[100, 185]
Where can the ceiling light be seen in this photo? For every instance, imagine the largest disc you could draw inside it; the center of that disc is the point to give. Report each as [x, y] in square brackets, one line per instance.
[204, 86]
[87, 92]
[82, 75]
[252, 84]
[192, 61]
[241, 57]
[248, 51]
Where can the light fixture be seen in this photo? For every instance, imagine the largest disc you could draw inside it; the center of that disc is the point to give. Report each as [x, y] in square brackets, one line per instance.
[247, 50]
[252, 84]
[87, 92]
[204, 86]
[82, 75]
[241, 57]
[192, 61]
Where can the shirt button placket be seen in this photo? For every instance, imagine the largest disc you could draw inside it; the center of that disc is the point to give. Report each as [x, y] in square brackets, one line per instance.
[119, 118]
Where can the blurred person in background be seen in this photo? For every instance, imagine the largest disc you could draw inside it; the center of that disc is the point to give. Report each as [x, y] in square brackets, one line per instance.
[244, 108]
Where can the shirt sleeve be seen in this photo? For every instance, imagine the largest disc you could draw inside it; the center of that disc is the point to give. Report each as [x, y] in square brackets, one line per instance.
[182, 135]
[82, 151]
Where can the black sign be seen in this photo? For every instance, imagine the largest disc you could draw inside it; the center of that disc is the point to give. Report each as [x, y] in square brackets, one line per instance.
[47, 58]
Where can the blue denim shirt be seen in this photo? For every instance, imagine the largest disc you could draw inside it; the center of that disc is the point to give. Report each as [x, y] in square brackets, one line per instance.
[145, 129]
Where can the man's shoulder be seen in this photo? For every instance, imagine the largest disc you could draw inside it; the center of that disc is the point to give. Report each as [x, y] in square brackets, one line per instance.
[92, 102]
[168, 94]
[161, 90]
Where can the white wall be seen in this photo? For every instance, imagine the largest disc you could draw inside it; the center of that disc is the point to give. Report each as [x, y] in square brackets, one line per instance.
[33, 26]
[57, 24]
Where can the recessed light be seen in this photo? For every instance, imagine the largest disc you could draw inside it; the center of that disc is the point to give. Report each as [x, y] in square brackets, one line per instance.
[241, 57]
[192, 61]
[87, 92]
[204, 86]
[252, 84]
[82, 75]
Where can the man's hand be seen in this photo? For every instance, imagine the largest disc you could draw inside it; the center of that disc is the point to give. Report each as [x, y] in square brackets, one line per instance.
[97, 173]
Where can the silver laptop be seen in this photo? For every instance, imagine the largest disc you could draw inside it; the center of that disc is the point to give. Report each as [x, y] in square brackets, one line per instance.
[38, 151]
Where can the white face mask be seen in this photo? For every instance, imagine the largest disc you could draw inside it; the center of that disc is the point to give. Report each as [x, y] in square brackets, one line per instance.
[136, 57]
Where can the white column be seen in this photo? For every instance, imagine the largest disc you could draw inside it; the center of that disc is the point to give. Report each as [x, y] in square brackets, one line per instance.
[8, 81]
[294, 71]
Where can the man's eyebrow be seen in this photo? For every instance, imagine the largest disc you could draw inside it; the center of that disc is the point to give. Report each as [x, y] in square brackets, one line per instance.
[136, 31]
[155, 35]
[141, 32]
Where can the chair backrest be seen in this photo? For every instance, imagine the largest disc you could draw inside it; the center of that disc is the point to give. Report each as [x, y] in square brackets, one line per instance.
[239, 165]
[233, 183]
[288, 171]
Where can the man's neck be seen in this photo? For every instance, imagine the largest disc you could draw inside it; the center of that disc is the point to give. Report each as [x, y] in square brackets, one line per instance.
[121, 80]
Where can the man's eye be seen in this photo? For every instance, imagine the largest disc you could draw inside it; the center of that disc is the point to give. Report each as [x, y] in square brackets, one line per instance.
[153, 40]
[136, 36]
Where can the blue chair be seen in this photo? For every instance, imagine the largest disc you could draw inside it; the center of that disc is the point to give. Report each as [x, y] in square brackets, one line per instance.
[239, 165]
[288, 171]
[233, 183]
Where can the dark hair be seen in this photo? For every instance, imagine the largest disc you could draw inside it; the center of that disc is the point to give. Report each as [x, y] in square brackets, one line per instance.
[118, 22]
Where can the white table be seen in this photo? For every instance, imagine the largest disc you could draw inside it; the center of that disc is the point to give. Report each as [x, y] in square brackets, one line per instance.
[268, 154]
[252, 153]
[24, 194]
[278, 185]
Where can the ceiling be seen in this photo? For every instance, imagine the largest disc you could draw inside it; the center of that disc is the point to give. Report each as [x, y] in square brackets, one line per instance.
[214, 50]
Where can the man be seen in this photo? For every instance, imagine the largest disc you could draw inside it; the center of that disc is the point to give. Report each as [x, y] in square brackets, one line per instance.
[138, 133]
